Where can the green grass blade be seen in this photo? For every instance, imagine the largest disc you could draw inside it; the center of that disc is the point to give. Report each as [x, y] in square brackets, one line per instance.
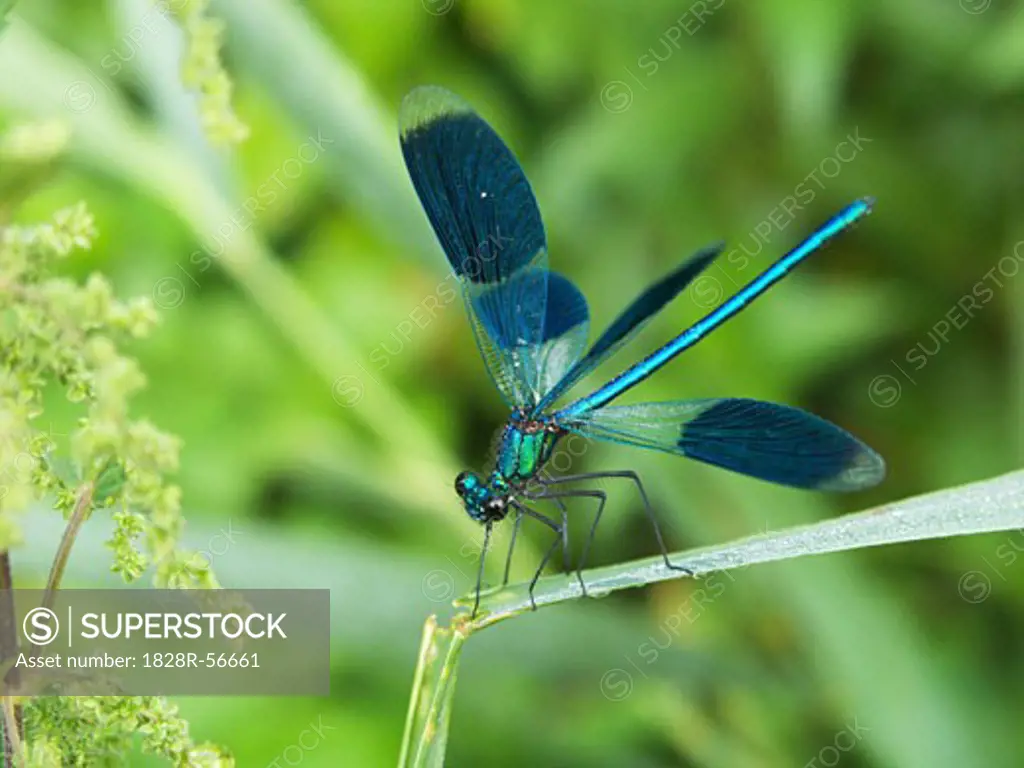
[983, 507]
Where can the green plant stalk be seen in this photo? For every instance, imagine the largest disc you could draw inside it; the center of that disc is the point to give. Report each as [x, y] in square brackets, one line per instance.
[426, 726]
[8, 649]
[13, 732]
[983, 507]
[433, 739]
[424, 661]
[12, 722]
[12, 717]
[83, 505]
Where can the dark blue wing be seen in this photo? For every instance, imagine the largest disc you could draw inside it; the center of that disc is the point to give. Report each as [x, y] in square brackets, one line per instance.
[771, 442]
[633, 318]
[530, 324]
[531, 346]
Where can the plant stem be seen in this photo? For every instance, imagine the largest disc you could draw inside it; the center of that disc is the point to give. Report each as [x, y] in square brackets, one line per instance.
[12, 717]
[424, 659]
[434, 734]
[13, 735]
[83, 505]
[8, 650]
[426, 725]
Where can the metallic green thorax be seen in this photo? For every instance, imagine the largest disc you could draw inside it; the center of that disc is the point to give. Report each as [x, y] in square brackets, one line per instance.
[524, 448]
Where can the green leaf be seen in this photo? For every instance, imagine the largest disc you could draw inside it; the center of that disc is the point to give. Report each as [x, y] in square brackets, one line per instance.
[109, 483]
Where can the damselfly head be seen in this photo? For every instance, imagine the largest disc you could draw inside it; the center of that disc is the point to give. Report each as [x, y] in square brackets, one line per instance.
[494, 509]
[468, 484]
[482, 503]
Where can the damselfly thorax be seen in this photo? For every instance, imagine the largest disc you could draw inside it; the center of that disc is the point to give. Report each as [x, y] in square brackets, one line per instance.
[523, 447]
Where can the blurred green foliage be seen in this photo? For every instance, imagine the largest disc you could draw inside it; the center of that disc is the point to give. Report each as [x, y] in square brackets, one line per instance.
[327, 392]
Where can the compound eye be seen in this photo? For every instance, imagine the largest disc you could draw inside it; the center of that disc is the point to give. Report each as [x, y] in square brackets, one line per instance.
[462, 483]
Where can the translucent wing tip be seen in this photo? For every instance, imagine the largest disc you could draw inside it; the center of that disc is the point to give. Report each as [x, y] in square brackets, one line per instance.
[864, 469]
[425, 104]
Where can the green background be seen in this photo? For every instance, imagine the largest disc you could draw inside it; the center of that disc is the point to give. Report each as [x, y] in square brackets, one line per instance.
[327, 388]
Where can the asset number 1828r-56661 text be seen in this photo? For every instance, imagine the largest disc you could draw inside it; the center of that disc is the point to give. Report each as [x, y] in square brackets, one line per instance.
[209, 660]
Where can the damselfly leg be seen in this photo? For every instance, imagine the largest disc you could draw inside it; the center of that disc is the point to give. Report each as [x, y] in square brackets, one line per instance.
[515, 532]
[560, 539]
[480, 568]
[625, 474]
[557, 496]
